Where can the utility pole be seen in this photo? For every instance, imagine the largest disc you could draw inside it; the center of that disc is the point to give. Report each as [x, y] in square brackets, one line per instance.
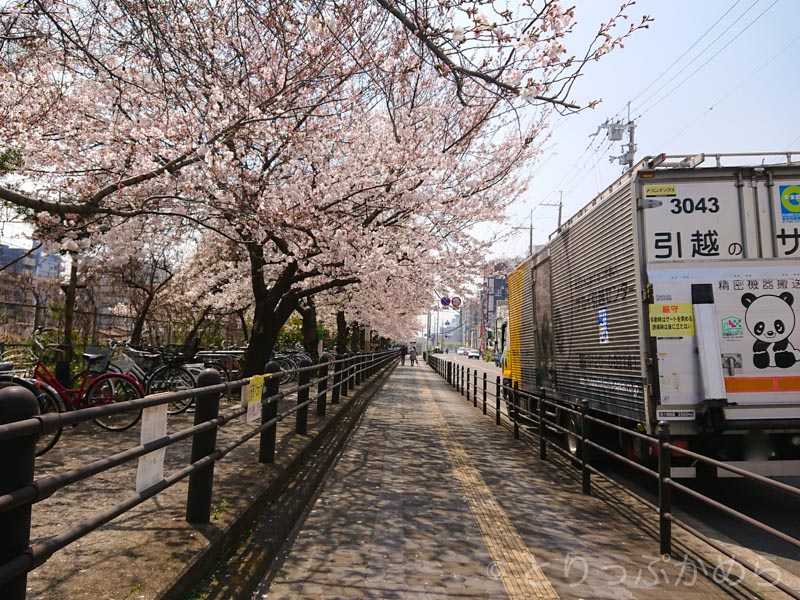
[615, 130]
[559, 205]
[530, 235]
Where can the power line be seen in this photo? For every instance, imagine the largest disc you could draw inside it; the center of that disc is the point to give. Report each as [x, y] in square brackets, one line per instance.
[713, 56]
[708, 30]
[726, 96]
[677, 60]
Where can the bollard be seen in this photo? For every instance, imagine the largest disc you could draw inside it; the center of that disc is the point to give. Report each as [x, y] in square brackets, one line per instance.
[664, 490]
[467, 384]
[461, 377]
[542, 424]
[303, 379]
[322, 386]
[475, 388]
[484, 392]
[201, 483]
[585, 448]
[337, 380]
[16, 471]
[272, 385]
[515, 398]
[449, 371]
[497, 393]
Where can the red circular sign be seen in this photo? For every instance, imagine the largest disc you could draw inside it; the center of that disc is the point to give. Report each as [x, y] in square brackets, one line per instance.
[456, 301]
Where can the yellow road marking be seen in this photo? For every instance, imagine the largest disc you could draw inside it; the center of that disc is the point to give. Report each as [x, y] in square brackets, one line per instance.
[516, 566]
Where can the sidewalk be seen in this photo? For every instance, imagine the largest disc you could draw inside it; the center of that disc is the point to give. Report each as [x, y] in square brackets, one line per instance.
[430, 499]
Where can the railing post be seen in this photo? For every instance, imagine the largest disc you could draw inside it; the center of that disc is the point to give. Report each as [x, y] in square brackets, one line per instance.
[542, 424]
[664, 490]
[272, 386]
[467, 384]
[303, 379]
[351, 370]
[515, 397]
[585, 448]
[485, 375]
[475, 388]
[337, 380]
[357, 368]
[16, 471]
[345, 373]
[497, 396]
[322, 385]
[463, 373]
[201, 483]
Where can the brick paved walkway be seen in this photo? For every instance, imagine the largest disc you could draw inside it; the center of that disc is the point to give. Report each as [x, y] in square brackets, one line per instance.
[430, 499]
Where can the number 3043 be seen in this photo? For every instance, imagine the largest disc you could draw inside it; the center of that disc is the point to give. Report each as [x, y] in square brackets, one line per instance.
[690, 205]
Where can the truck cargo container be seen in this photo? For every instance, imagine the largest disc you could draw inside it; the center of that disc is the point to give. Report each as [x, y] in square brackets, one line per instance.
[673, 296]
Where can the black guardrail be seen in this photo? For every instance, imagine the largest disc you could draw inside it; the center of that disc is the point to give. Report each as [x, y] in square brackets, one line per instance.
[546, 415]
[21, 424]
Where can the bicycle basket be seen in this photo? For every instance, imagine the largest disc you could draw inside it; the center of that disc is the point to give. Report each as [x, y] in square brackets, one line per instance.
[24, 361]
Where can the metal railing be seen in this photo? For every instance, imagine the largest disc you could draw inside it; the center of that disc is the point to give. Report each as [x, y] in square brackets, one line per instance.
[546, 415]
[21, 424]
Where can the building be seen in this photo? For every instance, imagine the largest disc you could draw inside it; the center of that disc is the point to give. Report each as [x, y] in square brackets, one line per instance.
[494, 291]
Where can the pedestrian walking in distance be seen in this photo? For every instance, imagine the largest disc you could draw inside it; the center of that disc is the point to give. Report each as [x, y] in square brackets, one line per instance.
[403, 352]
[412, 354]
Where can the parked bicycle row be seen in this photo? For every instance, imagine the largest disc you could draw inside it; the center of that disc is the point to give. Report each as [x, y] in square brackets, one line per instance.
[122, 373]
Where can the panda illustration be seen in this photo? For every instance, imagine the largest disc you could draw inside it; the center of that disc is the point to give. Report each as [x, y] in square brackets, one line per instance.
[770, 319]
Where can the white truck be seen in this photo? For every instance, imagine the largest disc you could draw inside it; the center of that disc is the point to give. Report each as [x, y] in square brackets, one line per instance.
[674, 296]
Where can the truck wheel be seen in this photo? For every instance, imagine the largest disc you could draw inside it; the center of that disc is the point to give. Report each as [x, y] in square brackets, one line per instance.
[573, 438]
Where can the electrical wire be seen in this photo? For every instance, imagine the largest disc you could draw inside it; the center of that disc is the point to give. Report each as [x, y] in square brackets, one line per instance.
[588, 148]
[677, 60]
[713, 56]
[726, 96]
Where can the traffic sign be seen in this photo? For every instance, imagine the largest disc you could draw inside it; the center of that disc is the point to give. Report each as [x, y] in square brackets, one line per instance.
[445, 301]
[456, 301]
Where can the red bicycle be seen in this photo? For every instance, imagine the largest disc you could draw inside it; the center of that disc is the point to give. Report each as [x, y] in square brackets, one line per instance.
[96, 388]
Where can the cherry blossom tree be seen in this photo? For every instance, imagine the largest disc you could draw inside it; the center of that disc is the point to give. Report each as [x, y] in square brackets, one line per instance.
[320, 145]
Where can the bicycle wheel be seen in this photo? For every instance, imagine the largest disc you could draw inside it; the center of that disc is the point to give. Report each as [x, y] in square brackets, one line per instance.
[287, 365]
[112, 389]
[47, 405]
[172, 378]
[223, 372]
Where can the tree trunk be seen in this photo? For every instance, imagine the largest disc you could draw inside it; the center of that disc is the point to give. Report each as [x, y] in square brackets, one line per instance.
[267, 322]
[191, 343]
[310, 342]
[138, 325]
[355, 338]
[243, 323]
[341, 333]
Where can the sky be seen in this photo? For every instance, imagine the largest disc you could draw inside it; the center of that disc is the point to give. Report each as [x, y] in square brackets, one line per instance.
[708, 76]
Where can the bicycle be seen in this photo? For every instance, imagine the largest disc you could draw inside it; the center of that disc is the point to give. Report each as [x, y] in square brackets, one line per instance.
[97, 388]
[45, 397]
